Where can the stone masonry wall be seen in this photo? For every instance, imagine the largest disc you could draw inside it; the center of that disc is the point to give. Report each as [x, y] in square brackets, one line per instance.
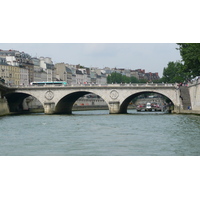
[4, 110]
[194, 91]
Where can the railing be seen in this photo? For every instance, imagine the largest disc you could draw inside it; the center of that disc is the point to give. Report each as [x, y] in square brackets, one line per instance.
[100, 85]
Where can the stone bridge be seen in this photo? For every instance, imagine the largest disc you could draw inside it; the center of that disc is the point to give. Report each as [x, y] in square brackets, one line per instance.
[60, 99]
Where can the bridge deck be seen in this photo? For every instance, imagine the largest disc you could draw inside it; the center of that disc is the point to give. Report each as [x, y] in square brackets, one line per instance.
[98, 86]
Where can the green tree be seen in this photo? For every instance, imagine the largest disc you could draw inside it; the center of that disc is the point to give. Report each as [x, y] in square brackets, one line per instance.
[109, 79]
[114, 78]
[134, 79]
[174, 73]
[119, 78]
[143, 81]
[190, 53]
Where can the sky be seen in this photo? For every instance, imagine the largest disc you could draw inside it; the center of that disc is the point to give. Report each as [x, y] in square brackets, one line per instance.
[152, 57]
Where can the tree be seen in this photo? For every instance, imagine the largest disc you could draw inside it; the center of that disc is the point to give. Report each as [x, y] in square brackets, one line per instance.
[143, 80]
[119, 78]
[133, 79]
[174, 73]
[190, 53]
[114, 78]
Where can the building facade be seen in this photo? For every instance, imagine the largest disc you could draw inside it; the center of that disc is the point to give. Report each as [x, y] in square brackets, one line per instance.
[19, 68]
[48, 67]
[9, 74]
[18, 60]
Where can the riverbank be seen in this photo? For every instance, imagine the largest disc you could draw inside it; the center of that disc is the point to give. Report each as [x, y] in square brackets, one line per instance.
[75, 108]
[92, 107]
[189, 112]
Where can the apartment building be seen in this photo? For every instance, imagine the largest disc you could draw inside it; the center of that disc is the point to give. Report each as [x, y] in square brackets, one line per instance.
[10, 74]
[19, 68]
[63, 73]
[60, 71]
[19, 60]
[25, 62]
[152, 76]
[48, 67]
[37, 69]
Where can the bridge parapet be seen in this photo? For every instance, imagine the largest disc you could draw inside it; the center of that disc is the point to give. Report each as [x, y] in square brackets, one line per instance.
[137, 85]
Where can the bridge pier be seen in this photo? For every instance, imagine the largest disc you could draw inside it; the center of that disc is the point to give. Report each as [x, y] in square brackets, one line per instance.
[49, 107]
[114, 107]
[177, 109]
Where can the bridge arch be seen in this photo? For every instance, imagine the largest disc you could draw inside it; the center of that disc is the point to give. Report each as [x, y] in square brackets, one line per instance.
[16, 101]
[127, 100]
[65, 103]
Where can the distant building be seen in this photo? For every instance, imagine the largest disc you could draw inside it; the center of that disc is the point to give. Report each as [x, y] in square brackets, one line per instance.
[98, 76]
[73, 71]
[63, 73]
[47, 65]
[93, 77]
[24, 76]
[25, 62]
[141, 74]
[38, 71]
[107, 70]
[103, 78]
[19, 68]
[21, 60]
[8, 73]
[13, 75]
[69, 75]
[134, 73]
[60, 71]
[152, 76]
[81, 76]
[4, 70]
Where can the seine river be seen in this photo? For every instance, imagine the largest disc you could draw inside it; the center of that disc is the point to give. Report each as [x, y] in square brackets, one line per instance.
[96, 133]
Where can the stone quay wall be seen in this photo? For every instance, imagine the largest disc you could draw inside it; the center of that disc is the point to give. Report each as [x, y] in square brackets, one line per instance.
[194, 91]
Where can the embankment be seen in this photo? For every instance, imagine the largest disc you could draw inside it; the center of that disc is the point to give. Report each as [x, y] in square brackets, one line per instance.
[90, 107]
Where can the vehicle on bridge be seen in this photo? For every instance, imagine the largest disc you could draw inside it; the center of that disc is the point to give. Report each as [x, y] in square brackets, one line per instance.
[43, 83]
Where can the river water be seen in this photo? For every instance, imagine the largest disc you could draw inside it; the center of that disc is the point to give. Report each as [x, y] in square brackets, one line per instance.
[97, 133]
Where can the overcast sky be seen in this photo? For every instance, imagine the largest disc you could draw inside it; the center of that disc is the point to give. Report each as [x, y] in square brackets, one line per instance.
[152, 57]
